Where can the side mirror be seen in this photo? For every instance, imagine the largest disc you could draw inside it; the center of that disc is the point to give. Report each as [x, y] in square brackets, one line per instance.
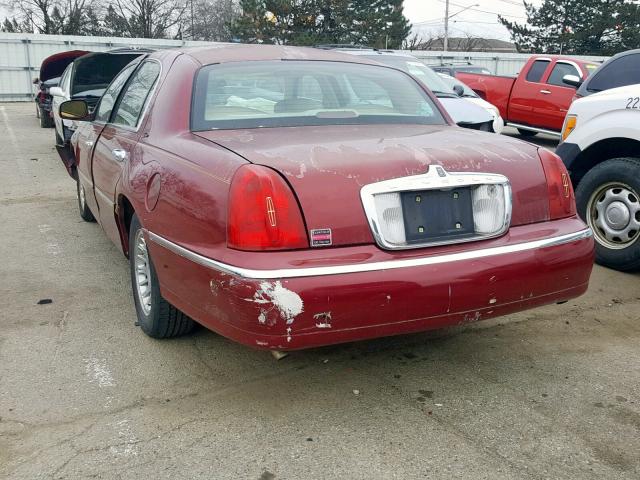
[56, 92]
[572, 80]
[74, 110]
[458, 90]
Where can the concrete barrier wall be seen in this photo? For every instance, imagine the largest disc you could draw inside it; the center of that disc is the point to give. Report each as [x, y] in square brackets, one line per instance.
[21, 55]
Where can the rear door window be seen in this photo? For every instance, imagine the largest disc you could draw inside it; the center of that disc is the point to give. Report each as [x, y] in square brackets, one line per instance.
[537, 70]
[136, 95]
[620, 72]
[559, 71]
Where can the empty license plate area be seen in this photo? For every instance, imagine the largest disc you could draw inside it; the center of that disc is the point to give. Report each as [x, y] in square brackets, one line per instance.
[438, 215]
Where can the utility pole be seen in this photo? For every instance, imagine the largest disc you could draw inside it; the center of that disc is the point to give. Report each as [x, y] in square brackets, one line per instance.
[192, 20]
[445, 43]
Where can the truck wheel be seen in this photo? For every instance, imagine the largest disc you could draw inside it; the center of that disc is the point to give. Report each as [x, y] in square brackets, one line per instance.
[45, 120]
[608, 199]
[85, 213]
[527, 133]
[157, 317]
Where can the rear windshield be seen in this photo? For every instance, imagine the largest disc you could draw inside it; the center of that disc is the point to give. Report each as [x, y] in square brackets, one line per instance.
[93, 74]
[298, 93]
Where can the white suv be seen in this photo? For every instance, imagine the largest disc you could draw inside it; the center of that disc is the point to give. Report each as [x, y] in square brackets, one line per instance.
[601, 150]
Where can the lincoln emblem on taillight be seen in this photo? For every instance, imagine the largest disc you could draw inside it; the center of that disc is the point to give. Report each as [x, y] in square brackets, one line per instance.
[271, 212]
[565, 184]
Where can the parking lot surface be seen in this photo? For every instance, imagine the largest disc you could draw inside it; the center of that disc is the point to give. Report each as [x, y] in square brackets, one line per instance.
[550, 393]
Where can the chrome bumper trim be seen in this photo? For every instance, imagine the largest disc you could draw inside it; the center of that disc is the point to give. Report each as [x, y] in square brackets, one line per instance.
[366, 267]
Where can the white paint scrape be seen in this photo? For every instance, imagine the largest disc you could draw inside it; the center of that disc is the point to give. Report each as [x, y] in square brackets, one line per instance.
[288, 303]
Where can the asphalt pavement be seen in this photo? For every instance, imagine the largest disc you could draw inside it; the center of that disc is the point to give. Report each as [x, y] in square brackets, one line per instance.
[552, 393]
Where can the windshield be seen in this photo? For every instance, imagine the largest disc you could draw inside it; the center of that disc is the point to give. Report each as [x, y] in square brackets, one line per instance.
[452, 82]
[419, 70]
[590, 67]
[297, 93]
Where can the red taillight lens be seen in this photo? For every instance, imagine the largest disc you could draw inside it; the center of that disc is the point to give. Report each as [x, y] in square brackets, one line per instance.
[562, 202]
[263, 213]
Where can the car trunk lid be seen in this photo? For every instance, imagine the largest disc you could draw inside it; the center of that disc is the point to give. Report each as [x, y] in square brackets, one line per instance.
[328, 166]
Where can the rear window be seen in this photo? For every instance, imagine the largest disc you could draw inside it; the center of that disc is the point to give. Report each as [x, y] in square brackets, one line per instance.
[297, 93]
[95, 72]
[620, 72]
[537, 70]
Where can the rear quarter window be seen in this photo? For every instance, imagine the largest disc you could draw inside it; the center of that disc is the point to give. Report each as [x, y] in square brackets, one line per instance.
[537, 70]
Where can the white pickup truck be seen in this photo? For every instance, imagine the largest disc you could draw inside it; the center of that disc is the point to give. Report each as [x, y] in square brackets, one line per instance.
[601, 150]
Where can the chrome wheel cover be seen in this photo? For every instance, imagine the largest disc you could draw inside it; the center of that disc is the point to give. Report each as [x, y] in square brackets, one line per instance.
[613, 213]
[81, 197]
[142, 272]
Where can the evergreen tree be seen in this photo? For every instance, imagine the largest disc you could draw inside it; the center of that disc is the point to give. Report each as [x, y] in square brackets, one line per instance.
[374, 23]
[600, 27]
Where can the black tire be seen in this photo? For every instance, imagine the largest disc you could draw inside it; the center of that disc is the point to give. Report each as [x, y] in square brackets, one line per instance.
[85, 212]
[623, 172]
[161, 320]
[45, 120]
[527, 133]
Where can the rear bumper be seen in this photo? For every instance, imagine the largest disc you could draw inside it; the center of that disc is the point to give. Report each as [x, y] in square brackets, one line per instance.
[296, 308]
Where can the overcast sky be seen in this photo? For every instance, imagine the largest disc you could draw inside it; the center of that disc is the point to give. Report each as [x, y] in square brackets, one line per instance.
[427, 16]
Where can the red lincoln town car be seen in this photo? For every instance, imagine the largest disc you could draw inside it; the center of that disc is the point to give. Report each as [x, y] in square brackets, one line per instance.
[289, 198]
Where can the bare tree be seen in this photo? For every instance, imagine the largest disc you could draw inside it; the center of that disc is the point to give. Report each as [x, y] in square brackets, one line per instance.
[211, 20]
[148, 18]
[48, 16]
[423, 42]
[470, 43]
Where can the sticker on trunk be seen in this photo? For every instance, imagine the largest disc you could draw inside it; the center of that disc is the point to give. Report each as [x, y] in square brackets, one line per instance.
[320, 237]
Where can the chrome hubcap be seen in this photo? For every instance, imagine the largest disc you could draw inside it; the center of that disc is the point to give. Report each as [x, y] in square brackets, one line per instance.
[614, 215]
[142, 272]
[81, 195]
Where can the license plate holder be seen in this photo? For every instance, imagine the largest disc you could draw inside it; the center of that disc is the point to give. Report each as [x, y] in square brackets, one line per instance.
[437, 215]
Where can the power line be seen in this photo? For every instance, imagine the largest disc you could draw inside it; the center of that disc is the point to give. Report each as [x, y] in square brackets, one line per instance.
[486, 11]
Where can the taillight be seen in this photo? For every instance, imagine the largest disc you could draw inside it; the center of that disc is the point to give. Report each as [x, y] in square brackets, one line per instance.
[562, 202]
[263, 213]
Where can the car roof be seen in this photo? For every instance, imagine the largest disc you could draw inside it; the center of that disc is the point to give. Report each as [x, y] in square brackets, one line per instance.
[223, 53]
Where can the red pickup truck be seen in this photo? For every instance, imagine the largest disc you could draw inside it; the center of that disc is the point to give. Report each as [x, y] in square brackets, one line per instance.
[537, 99]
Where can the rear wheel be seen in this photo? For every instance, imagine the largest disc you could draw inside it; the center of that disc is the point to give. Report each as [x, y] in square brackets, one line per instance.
[608, 199]
[85, 212]
[45, 119]
[157, 317]
[527, 133]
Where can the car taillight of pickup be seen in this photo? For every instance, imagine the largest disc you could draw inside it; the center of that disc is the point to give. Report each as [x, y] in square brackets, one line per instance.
[537, 99]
